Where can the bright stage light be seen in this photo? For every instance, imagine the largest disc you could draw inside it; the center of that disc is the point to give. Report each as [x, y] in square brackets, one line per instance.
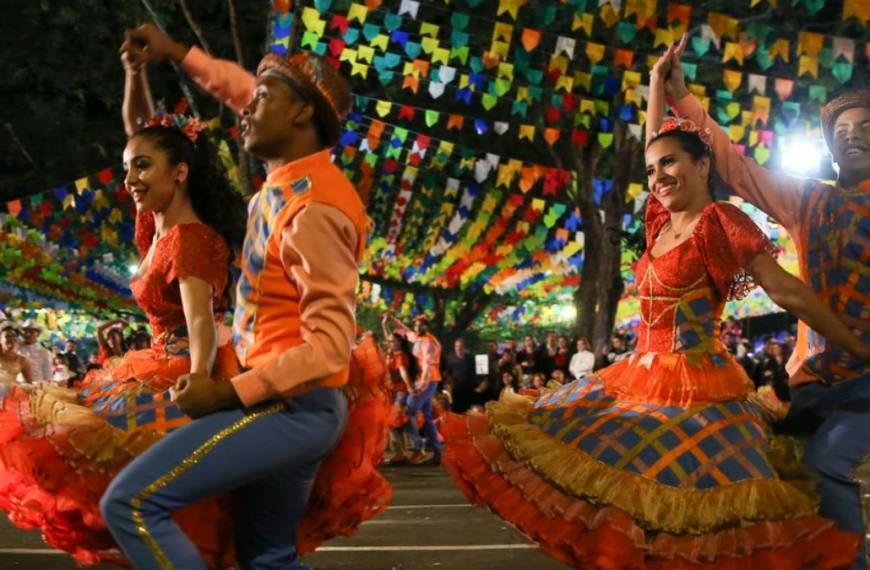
[133, 268]
[801, 155]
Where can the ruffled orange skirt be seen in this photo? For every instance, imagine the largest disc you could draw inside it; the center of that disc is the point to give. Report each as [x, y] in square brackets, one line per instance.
[60, 448]
[526, 461]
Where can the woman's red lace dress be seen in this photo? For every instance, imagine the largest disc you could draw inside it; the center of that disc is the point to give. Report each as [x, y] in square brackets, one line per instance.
[659, 461]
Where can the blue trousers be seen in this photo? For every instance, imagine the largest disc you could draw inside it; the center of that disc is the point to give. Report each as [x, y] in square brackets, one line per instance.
[422, 402]
[837, 447]
[268, 455]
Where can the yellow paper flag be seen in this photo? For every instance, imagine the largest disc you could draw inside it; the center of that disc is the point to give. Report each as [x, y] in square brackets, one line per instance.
[583, 22]
[510, 6]
[81, 185]
[608, 15]
[857, 9]
[527, 132]
[732, 51]
[595, 52]
[780, 48]
[732, 79]
[810, 43]
[357, 12]
[808, 64]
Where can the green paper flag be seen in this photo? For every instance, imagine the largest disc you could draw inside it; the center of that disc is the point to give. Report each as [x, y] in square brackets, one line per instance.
[519, 108]
[413, 49]
[392, 21]
[473, 3]
[488, 101]
[761, 154]
[476, 64]
[605, 139]
[700, 45]
[501, 86]
[826, 57]
[458, 39]
[814, 6]
[546, 14]
[690, 70]
[626, 31]
[818, 93]
[762, 56]
[842, 70]
[371, 31]
[309, 40]
[458, 21]
[322, 5]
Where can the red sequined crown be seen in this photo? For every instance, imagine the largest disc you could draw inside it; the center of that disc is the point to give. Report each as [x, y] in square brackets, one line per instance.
[687, 126]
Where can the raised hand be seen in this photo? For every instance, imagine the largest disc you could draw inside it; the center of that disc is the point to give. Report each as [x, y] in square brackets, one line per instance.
[675, 81]
[150, 43]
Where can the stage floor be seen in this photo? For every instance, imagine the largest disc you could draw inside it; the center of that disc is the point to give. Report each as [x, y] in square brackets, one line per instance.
[428, 525]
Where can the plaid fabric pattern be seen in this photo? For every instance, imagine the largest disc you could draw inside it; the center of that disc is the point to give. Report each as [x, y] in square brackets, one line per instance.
[262, 212]
[837, 255]
[702, 447]
[130, 406]
[697, 320]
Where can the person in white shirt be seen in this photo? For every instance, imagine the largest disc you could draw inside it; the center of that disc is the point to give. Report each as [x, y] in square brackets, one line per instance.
[31, 349]
[61, 372]
[583, 360]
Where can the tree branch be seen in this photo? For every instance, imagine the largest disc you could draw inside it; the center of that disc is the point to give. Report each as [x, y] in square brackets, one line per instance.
[197, 30]
[293, 42]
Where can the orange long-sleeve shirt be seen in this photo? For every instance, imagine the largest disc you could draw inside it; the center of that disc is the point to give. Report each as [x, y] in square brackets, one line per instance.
[294, 320]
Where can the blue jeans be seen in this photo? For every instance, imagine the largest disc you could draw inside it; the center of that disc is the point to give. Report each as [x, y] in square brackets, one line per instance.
[422, 402]
[268, 455]
[837, 447]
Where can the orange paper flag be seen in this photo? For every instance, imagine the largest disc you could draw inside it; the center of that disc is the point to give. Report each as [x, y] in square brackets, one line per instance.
[623, 58]
[783, 88]
[531, 38]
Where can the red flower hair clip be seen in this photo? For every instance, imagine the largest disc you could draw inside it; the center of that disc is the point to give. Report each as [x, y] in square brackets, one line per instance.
[687, 126]
[189, 126]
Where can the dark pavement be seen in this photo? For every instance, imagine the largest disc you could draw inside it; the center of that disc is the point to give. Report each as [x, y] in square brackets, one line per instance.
[429, 525]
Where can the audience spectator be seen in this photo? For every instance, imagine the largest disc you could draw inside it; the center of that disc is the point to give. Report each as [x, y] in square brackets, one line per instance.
[583, 361]
[39, 357]
[72, 359]
[460, 370]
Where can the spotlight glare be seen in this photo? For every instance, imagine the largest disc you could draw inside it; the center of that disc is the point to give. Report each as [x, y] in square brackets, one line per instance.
[801, 155]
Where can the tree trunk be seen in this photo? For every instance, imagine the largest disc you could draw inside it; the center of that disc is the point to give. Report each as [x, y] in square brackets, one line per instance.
[601, 285]
[472, 304]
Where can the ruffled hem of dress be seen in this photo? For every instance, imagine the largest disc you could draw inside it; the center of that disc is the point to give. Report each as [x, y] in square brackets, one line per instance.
[586, 535]
[652, 504]
[56, 460]
[349, 490]
[676, 378]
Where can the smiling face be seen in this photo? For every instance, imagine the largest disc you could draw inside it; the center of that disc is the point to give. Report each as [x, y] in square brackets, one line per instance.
[275, 114]
[8, 340]
[851, 143]
[675, 178]
[31, 336]
[150, 178]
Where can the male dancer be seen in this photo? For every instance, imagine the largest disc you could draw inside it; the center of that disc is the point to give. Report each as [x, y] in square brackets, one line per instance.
[831, 228]
[427, 351]
[293, 329]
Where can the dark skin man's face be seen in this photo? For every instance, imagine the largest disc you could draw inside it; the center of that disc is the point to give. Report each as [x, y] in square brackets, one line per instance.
[275, 114]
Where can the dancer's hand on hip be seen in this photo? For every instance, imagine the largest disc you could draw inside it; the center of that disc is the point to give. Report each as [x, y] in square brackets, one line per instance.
[198, 395]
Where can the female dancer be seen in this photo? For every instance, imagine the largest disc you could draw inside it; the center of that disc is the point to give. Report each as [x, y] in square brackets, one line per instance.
[659, 461]
[60, 447]
[11, 362]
